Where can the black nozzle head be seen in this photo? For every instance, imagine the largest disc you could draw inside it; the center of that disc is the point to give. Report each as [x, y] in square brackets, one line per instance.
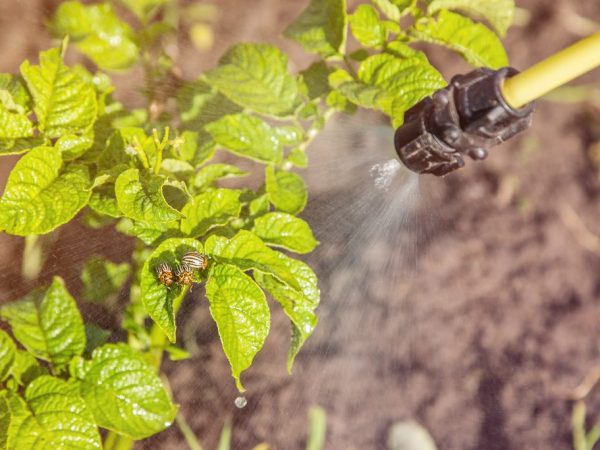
[467, 117]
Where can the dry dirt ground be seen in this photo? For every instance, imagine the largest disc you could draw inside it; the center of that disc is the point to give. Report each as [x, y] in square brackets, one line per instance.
[470, 305]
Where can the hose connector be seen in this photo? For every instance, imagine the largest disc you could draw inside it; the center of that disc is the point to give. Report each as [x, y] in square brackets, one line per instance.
[467, 117]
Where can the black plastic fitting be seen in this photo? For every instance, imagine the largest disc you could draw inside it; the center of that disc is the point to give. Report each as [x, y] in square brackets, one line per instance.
[467, 117]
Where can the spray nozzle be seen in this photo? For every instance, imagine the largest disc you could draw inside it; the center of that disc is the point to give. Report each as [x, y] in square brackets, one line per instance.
[484, 108]
[467, 117]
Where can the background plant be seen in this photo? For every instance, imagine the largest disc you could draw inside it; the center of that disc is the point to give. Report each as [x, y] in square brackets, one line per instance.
[150, 173]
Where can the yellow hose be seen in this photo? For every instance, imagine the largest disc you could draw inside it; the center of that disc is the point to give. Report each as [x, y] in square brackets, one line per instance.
[552, 72]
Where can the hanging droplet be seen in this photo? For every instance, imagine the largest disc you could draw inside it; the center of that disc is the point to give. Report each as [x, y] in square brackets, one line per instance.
[240, 402]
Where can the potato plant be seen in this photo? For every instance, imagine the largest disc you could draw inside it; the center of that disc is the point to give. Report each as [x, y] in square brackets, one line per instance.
[150, 174]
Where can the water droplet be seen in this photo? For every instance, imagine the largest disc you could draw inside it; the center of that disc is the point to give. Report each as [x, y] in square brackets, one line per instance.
[240, 402]
[383, 174]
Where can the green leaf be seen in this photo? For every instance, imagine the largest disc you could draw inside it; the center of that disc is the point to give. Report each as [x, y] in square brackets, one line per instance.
[7, 355]
[247, 136]
[298, 158]
[210, 209]
[402, 50]
[200, 104]
[58, 418]
[286, 190]
[177, 168]
[388, 8]
[63, 102]
[119, 151]
[240, 309]
[140, 197]
[19, 146]
[255, 76]
[18, 413]
[103, 201]
[402, 82]
[41, 195]
[499, 13]
[214, 172]
[26, 368]
[140, 230]
[14, 85]
[72, 146]
[102, 279]
[321, 28]
[289, 134]
[314, 81]
[124, 392]
[98, 33]
[160, 301]
[47, 323]
[367, 28]
[476, 43]
[298, 304]
[95, 337]
[13, 124]
[259, 205]
[389, 83]
[248, 252]
[142, 8]
[286, 231]
[5, 420]
[358, 93]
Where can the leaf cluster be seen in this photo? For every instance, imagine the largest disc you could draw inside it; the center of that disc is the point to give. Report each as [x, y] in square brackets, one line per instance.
[158, 174]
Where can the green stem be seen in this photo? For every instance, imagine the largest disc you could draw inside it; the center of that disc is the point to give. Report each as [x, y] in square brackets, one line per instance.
[139, 149]
[159, 145]
[188, 434]
[35, 253]
[116, 441]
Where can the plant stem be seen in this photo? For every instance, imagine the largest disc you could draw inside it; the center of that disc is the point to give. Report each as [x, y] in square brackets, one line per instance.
[116, 441]
[35, 253]
[188, 434]
[159, 145]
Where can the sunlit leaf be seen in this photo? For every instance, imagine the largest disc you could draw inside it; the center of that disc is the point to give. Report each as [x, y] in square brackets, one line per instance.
[298, 304]
[209, 209]
[56, 417]
[200, 104]
[14, 125]
[499, 13]
[26, 368]
[255, 76]
[286, 231]
[140, 197]
[124, 392]
[41, 194]
[98, 33]
[247, 136]
[241, 312]
[214, 172]
[476, 43]
[248, 252]
[142, 8]
[157, 298]
[287, 190]
[7, 355]
[367, 28]
[321, 28]
[387, 7]
[47, 323]
[63, 102]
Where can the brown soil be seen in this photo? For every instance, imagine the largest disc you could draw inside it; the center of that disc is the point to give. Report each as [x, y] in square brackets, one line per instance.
[472, 307]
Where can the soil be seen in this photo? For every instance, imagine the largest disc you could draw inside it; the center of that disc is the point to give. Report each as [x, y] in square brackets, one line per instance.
[470, 305]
